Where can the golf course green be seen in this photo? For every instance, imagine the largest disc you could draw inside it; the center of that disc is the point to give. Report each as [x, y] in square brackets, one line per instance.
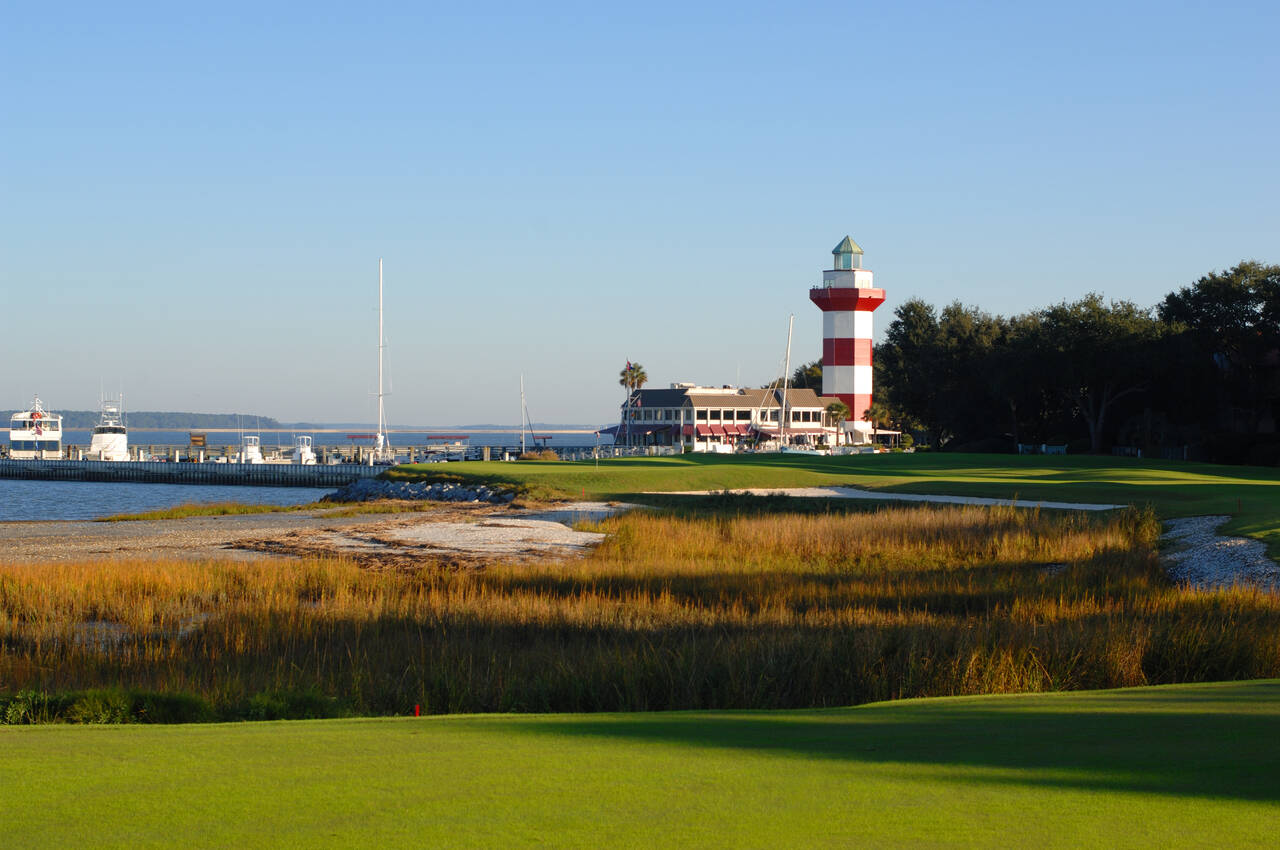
[1250, 495]
[1143, 767]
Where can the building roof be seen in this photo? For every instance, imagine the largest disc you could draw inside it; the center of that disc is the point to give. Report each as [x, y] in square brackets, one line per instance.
[661, 397]
[847, 246]
[742, 398]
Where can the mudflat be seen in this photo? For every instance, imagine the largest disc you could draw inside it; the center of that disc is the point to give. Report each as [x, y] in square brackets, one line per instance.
[452, 533]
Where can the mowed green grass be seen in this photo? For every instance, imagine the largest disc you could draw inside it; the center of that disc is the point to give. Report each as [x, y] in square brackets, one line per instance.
[1170, 766]
[1250, 495]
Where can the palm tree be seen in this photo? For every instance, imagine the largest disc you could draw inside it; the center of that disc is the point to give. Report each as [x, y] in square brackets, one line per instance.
[838, 412]
[877, 414]
[633, 377]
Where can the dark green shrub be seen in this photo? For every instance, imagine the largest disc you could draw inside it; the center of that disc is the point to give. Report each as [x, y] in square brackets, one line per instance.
[101, 707]
[171, 708]
[291, 705]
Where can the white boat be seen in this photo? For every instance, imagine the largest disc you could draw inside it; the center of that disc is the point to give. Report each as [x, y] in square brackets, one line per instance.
[35, 434]
[302, 452]
[110, 438]
[251, 449]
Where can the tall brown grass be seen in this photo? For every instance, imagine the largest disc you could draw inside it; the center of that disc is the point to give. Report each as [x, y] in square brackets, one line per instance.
[669, 612]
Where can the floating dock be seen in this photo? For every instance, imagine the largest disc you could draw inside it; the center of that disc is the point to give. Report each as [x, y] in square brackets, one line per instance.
[166, 472]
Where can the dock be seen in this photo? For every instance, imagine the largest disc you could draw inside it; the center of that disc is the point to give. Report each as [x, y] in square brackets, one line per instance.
[166, 472]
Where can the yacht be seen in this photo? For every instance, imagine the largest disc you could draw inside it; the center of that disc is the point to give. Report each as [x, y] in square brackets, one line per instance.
[251, 450]
[35, 434]
[302, 452]
[299, 454]
[110, 439]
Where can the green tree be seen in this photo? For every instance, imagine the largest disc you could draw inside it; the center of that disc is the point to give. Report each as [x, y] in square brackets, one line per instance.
[1227, 328]
[808, 376]
[908, 363]
[1098, 354]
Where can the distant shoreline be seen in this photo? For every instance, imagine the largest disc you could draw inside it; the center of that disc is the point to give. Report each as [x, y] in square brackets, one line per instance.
[391, 431]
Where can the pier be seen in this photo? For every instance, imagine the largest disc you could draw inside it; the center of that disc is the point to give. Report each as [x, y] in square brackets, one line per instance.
[162, 472]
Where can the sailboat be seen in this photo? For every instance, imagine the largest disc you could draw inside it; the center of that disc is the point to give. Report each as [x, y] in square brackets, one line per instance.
[382, 452]
[784, 403]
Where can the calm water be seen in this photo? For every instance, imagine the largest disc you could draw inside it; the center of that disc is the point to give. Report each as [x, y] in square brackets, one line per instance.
[37, 500]
[273, 439]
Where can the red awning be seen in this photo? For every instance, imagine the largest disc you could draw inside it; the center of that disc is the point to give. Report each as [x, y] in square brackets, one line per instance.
[688, 430]
[718, 430]
[704, 430]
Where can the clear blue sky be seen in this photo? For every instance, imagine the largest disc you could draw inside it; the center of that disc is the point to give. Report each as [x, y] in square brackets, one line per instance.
[193, 202]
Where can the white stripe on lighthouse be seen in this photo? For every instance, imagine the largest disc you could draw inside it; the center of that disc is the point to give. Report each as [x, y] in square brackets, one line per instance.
[861, 325]
[861, 380]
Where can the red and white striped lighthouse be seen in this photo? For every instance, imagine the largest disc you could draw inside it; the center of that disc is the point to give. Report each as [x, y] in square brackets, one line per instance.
[847, 298]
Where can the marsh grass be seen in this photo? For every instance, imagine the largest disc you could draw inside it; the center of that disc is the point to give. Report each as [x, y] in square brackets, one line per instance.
[671, 611]
[333, 509]
[194, 509]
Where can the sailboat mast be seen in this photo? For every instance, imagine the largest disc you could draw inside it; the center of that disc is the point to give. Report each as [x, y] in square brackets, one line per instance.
[381, 413]
[522, 413]
[786, 381]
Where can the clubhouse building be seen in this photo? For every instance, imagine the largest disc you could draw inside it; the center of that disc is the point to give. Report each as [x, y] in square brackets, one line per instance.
[723, 419]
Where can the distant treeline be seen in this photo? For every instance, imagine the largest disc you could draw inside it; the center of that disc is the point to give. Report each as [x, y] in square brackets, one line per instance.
[164, 420]
[1198, 373]
[1196, 376]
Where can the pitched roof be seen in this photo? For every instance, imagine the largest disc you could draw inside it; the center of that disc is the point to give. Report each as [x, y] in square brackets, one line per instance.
[847, 246]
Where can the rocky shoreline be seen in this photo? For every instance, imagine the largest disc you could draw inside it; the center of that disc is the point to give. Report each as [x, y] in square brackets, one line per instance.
[372, 489]
[1202, 558]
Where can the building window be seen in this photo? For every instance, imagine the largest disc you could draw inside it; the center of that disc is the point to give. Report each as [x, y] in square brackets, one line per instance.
[701, 415]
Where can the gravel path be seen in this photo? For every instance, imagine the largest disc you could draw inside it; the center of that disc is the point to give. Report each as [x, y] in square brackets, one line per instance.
[878, 496]
[1201, 557]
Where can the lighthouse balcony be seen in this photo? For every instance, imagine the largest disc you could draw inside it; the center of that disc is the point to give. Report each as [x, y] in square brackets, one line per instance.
[832, 299]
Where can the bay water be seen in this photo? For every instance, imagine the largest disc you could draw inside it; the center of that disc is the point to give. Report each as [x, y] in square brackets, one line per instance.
[50, 500]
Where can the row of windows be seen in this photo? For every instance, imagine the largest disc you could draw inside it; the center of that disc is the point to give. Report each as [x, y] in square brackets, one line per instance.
[30, 424]
[36, 445]
[703, 415]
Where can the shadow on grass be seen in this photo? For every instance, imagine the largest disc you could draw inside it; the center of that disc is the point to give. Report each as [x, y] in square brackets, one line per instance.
[1219, 742]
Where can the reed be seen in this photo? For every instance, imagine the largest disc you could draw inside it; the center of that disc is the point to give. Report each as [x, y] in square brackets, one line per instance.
[670, 612]
[333, 509]
[193, 509]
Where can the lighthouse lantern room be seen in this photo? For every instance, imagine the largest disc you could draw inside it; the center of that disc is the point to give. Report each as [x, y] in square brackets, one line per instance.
[847, 299]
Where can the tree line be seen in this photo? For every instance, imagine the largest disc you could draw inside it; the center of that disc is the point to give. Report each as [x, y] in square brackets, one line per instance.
[80, 420]
[1196, 375]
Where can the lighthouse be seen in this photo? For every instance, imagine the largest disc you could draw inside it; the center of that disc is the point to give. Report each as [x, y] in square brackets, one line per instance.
[847, 298]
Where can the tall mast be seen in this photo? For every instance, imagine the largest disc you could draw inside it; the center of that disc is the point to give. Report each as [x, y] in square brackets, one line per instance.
[381, 439]
[786, 380]
[522, 413]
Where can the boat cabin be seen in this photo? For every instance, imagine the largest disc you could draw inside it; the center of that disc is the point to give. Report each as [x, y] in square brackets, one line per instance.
[35, 434]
